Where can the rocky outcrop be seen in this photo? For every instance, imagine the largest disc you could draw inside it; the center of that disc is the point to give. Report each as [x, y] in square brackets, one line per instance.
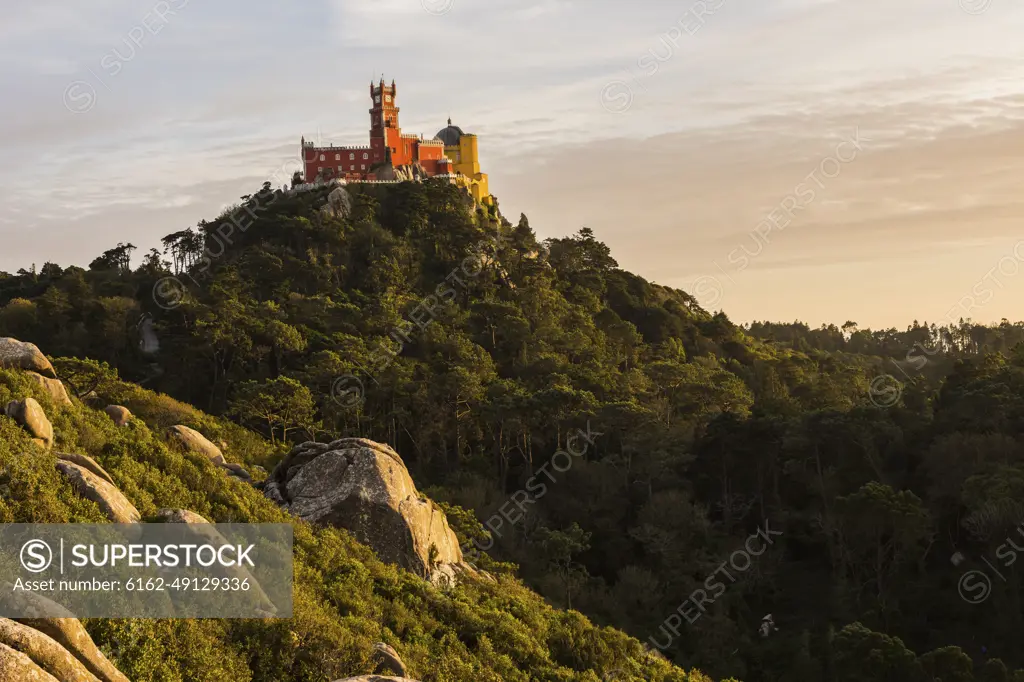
[364, 487]
[120, 415]
[90, 485]
[236, 470]
[179, 516]
[15, 354]
[71, 634]
[196, 442]
[30, 603]
[407, 173]
[411, 172]
[339, 203]
[17, 667]
[193, 441]
[44, 652]
[51, 387]
[385, 172]
[149, 344]
[87, 462]
[388, 661]
[30, 415]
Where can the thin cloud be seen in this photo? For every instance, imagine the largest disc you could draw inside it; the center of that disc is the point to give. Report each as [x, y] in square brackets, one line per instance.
[733, 116]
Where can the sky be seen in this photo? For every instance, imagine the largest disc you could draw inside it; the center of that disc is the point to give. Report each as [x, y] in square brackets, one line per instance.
[812, 160]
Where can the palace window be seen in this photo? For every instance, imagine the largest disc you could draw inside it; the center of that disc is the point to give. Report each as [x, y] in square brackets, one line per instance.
[351, 156]
[322, 157]
[363, 166]
[365, 155]
[337, 157]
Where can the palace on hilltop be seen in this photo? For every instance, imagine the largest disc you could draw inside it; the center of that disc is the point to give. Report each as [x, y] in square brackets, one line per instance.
[391, 155]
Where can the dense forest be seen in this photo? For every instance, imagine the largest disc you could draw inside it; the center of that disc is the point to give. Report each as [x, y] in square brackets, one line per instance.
[624, 452]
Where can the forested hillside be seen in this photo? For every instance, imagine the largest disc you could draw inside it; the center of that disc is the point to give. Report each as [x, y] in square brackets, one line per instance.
[621, 444]
[345, 599]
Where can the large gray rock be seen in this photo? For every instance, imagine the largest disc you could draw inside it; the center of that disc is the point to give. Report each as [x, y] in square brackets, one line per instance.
[120, 415]
[52, 387]
[30, 415]
[196, 442]
[45, 652]
[15, 354]
[115, 505]
[71, 634]
[388, 661]
[364, 487]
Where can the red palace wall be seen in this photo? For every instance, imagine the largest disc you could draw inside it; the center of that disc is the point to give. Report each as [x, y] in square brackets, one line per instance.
[431, 152]
[432, 158]
[338, 159]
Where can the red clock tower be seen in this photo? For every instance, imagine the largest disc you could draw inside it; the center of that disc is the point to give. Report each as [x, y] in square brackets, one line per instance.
[385, 133]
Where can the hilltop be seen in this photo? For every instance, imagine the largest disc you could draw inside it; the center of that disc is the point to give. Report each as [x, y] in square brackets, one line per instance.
[403, 314]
